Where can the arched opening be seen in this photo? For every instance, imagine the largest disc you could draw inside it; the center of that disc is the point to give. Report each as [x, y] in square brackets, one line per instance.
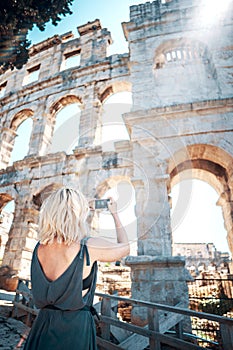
[122, 191]
[203, 221]
[113, 128]
[22, 140]
[6, 219]
[43, 193]
[66, 129]
[200, 205]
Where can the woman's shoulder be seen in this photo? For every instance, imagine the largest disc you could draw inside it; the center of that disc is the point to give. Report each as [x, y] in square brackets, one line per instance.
[58, 249]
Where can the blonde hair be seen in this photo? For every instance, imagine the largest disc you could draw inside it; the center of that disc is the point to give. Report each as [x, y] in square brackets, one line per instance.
[63, 216]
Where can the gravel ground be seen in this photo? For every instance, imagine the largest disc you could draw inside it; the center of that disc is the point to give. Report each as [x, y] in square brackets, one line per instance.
[12, 332]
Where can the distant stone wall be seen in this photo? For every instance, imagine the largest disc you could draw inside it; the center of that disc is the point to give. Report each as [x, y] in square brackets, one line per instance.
[201, 257]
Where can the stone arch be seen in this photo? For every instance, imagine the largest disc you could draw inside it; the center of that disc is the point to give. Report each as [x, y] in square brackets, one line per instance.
[62, 102]
[55, 108]
[117, 86]
[20, 117]
[209, 158]
[109, 183]
[191, 60]
[9, 134]
[213, 165]
[4, 199]
[202, 169]
[42, 194]
[126, 205]
[111, 115]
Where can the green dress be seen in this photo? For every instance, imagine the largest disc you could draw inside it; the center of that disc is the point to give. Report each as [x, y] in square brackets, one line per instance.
[65, 320]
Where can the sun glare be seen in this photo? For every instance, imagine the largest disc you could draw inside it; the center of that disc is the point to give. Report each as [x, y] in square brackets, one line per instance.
[212, 11]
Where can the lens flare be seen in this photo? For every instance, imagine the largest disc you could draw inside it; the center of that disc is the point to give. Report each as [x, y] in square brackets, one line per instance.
[213, 11]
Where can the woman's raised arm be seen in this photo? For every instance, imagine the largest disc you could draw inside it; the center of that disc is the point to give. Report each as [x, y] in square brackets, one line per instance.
[103, 250]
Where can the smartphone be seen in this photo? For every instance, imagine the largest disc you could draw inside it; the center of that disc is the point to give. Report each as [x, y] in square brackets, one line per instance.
[101, 203]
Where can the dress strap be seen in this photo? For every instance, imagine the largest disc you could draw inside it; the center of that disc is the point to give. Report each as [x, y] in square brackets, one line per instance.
[36, 247]
[84, 248]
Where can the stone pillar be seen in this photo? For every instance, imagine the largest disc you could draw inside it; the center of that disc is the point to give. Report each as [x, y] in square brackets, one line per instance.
[22, 239]
[7, 144]
[228, 221]
[5, 224]
[153, 215]
[41, 132]
[156, 275]
[227, 209]
[89, 119]
[157, 279]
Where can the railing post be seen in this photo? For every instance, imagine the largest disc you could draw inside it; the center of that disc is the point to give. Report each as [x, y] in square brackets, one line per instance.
[227, 336]
[105, 311]
[15, 309]
[179, 330]
[153, 325]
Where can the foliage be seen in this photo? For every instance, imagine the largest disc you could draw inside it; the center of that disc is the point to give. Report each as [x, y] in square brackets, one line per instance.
[17, 18]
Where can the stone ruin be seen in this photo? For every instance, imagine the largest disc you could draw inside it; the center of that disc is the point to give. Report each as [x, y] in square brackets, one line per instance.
[179, 70]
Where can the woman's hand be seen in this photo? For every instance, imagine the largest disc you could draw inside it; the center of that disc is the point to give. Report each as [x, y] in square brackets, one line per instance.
[112, 206]
[104, 250]
[91, 203]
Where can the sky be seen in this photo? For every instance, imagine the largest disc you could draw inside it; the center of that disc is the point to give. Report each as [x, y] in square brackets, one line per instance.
[110, 13]
[203, 222]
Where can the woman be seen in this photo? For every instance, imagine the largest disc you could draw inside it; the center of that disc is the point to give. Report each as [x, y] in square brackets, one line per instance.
[63, 272]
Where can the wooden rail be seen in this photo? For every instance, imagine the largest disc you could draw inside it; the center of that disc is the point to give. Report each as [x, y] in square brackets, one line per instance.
[153, 333]
[23, 301]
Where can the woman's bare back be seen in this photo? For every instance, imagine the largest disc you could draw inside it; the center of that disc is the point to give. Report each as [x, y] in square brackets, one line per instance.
[55, 259]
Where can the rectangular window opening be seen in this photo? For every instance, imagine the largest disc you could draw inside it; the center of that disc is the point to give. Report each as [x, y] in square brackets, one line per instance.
[71, 59]
[179, 56]
[32, 75]
[189, 53]
[173, 54]
[168, 55]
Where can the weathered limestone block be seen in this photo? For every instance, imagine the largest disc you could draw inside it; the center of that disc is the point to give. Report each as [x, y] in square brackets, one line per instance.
[165, 280]
[41, 134]
[227, 208]
[207, 76]
[94, 41]
[7, 142]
